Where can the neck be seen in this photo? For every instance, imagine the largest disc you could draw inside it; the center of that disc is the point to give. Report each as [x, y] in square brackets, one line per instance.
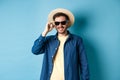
[63, 34]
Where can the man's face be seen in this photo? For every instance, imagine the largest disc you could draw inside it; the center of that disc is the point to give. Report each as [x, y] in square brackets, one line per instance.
[61, 24]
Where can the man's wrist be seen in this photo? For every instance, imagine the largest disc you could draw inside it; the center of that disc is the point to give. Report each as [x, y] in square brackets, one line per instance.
[44, 34]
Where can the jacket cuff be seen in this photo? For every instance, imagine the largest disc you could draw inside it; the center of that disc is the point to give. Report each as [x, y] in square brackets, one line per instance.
[41, 38]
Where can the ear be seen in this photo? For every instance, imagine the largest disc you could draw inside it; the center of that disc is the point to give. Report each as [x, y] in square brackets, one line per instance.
[68, 23]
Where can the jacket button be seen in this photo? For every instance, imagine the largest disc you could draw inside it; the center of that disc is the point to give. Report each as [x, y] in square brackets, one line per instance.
[50, 72]
[55, 48]
[52, 56]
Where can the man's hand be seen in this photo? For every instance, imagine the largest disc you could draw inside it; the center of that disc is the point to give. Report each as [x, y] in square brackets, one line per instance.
[48, 28]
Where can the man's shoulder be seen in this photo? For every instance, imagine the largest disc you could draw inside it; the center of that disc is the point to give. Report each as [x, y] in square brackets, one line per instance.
[74, 36]
[77, 38]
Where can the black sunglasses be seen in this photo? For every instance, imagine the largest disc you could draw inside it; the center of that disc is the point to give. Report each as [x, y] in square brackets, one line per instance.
[62, 22]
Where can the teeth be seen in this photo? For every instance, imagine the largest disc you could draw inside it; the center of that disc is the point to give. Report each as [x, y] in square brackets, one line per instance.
[60, 28]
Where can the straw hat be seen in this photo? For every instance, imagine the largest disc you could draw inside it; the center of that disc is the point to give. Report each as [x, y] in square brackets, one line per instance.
[59, 10]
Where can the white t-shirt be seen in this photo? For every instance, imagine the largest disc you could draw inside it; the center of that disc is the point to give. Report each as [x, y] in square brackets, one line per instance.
[58, 68]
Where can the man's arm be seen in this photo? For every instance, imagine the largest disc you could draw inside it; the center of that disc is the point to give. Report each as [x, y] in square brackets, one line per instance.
[83, 62]
[39, 44]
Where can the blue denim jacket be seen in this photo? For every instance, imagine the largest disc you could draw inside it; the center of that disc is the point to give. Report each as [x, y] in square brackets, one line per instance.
[75, 60]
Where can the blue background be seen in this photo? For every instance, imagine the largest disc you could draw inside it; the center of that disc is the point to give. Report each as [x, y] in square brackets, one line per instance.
[22, 21]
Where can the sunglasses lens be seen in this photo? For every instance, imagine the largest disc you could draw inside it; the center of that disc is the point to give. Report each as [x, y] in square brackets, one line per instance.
[63, 23]
[57, 23]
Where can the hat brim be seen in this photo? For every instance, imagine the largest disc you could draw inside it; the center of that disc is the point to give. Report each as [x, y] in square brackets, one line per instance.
[65, 11]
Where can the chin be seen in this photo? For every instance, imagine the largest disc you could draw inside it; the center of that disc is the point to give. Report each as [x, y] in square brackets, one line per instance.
[61, 31]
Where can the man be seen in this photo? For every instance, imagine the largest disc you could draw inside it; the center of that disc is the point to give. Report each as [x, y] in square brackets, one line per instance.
[64, 53]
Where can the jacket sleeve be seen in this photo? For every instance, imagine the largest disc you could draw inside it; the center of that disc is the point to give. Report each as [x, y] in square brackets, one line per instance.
[83, 61]
[39, 45]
